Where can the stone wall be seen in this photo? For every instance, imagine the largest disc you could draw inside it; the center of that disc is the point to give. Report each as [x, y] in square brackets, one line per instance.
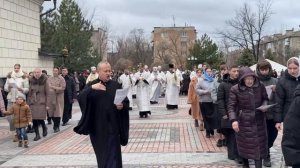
[20, 36]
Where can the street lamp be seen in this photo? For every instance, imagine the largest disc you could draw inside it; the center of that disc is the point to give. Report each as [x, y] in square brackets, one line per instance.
[193, 59]
[65, 54]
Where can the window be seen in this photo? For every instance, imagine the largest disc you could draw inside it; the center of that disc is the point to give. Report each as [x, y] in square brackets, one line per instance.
[183, 44]
[183, 34]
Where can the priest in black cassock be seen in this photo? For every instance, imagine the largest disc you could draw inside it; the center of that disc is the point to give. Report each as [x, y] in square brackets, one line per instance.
[106, 123]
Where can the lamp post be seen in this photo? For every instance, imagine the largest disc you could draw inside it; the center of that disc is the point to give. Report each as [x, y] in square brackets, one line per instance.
[193, 60]
[65, 54]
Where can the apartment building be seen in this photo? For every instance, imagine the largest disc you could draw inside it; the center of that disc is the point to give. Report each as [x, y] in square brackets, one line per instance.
[282, 46]
[172, 44]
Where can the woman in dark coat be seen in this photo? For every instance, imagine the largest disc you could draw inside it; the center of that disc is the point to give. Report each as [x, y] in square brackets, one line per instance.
[185, 83]
[285, 89]
[248, 122]
[291, 133]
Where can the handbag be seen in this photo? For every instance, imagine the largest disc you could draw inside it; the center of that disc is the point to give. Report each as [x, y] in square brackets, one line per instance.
[226, 123]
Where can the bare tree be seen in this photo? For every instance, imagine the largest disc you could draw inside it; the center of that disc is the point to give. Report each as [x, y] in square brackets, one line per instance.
[246, 28]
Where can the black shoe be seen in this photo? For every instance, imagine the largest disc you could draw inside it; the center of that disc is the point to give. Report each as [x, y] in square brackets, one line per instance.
[219, 143]
[49, 122]
[45, 131]
[64, 124]
[130, 108]
[37, 137]
[245, 163]
[238, 160]
[224, 142]
[56, 130]
[267, 162]
[207, 135]
[152, 102]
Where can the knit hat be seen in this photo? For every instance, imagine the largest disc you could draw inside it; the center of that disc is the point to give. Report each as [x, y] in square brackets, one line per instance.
[21, 95]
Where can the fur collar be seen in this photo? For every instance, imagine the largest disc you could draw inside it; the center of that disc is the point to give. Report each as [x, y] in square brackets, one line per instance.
[41, 81]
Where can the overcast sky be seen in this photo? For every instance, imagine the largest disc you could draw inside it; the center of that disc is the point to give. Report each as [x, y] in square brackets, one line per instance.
[206, 15]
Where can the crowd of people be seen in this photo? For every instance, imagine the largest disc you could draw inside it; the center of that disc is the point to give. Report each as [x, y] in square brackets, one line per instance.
[245, 108]
[30, 99]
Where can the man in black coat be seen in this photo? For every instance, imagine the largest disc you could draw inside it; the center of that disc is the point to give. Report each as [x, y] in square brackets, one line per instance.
[291, 133]
[105, 122]
[229, 80]
[69, 96]
[264, 73]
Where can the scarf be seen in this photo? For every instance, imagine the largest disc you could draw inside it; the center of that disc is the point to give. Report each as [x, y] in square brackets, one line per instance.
[298, 60]
[208, 77]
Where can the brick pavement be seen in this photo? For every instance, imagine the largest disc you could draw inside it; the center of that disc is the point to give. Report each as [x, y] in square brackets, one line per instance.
[167, 139]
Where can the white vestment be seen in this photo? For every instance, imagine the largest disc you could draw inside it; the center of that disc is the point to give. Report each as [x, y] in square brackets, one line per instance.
[143, 91]
[156, 84]
[163, 79]
[127, 81]
[172, 88]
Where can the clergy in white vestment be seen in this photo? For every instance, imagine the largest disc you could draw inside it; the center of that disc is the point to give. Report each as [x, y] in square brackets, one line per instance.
[163, 80]
[193, 73]
[127, 80]
[172, 88]
[156, 83]
[142, 92]
[93, 75]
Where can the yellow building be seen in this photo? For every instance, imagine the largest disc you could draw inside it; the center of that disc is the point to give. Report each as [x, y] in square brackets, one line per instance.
[172, 44]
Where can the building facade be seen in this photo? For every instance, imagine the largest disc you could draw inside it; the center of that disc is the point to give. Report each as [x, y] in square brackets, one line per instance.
[282, 46]
[20, 36]
[172, 44]
[99, 41]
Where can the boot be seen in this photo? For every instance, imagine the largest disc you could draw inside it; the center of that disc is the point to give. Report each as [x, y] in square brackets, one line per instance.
[16, 139]
[196, 123]
[201, 126]
[220, 143]
[56, 129]
[20, 143]
[258, 163]
[26, 144]
[267, 161]
[245, 163]
[37, 134]
[45, 130]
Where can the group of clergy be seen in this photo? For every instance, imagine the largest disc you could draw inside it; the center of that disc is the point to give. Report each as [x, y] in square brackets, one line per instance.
[148, 86]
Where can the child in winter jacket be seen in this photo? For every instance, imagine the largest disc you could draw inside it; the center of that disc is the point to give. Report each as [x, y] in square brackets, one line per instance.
[22, 117]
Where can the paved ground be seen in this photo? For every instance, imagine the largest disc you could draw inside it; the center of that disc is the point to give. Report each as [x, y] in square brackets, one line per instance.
[168, 139]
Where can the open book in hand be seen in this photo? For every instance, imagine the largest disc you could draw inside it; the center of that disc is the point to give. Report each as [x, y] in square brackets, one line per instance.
[121, 95]
[265, 107]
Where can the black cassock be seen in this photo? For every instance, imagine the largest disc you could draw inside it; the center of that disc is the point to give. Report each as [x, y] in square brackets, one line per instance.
[108, 127]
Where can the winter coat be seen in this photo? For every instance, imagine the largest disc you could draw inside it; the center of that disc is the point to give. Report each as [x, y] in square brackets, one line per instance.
[37, 97]
[16, 79]
[70, 91]
[243, 101]
[22, 114]
[55, 97]
[291, 132]
[285, 89]
[223, 98]
[267, 81]
[193, 99]
[185, 83]
[203, 86]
